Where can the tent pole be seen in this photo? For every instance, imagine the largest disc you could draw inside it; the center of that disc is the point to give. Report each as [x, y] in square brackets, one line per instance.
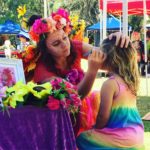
[145, 44]
[120, 22]
[100, 22]
[45, 8]
[104, 18]
[101, 28]
[125, 17]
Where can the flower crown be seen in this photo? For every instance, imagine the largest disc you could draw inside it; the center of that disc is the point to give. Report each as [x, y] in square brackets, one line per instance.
[58, 20]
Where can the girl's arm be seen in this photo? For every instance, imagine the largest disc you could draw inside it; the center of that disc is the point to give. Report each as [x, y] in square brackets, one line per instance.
[107, 93]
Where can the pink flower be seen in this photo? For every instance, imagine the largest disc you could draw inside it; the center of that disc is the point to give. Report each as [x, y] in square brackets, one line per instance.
[40, 26]
[76, 99]
[63, 103]
[56, 83]
[7, 77]
[53, 103]
[62, 12]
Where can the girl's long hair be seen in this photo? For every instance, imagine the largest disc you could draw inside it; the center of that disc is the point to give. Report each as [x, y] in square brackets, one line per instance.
[122, 61]
[48, 60]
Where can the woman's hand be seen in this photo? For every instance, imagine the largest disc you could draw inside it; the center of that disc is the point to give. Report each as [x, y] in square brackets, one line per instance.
[95, 60]
[119, 36]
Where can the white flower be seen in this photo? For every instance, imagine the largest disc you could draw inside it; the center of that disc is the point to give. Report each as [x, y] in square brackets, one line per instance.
[63, 21]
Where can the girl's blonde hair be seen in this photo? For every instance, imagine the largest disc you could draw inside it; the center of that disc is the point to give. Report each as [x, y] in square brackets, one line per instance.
[122, 61]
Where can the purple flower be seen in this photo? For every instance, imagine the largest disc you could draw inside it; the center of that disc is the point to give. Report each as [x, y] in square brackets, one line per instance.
[75, 76]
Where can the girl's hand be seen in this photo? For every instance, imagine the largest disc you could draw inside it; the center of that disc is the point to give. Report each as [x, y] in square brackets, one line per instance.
[119, 36]
[95, 60]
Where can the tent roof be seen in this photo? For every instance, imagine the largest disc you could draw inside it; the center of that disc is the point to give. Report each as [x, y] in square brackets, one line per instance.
[135, 7]
[148, 25]
[113, 23]
[9, 27]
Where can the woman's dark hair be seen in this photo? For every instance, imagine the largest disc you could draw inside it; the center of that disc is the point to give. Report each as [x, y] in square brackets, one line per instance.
[48, 60]
[148, 34]
[32, 19]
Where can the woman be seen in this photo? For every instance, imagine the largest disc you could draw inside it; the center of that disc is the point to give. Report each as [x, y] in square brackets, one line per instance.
[61, 57]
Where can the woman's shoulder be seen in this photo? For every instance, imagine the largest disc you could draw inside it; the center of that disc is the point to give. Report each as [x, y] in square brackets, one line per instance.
[77, 45]
[41, 73]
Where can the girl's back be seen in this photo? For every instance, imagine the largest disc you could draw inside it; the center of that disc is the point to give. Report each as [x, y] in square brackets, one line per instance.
[124, 112]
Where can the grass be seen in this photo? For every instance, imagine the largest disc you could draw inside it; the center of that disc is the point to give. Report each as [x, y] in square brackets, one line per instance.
[143, 104]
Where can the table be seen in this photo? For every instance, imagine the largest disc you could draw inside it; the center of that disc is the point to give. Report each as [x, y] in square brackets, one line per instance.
[35, 128]
[2, 54]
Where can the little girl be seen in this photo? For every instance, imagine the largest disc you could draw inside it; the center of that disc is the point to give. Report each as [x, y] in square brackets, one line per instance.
[118, 125]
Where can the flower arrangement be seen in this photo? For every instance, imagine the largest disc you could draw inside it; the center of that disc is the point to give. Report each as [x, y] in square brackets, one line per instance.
[63, 94]
[58, 20]
[29, 57]
[54, 94]
[78, 28]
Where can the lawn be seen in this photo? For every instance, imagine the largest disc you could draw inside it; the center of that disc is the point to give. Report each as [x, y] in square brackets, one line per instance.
[143, 104]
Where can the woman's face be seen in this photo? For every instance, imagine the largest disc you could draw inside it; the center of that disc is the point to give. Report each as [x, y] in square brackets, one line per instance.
[58, 44]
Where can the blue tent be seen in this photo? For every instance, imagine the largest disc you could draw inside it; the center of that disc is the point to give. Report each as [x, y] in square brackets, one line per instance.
[9, 27]
[112, 24]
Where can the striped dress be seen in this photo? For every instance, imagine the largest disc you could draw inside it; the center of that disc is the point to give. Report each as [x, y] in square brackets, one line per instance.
[124, 130]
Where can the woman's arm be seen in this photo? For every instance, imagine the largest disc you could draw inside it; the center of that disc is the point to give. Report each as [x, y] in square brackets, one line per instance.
[94, 63]
[107, 93]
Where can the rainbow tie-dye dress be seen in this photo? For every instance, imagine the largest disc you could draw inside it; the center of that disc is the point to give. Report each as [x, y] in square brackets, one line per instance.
[124, 130]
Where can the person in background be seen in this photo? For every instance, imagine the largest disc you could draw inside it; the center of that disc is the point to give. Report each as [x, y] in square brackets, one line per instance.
[118, 124]
[139, 46]
[148, 44]
[24, 40]
[61, 57]
[7, 46]
[32, 19]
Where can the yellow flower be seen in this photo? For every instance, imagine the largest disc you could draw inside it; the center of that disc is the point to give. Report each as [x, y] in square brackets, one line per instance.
[16, 93]
[24, 23]
[41, 90]
[18, 88]
[13, 99]
[78, 28]
[21, 11]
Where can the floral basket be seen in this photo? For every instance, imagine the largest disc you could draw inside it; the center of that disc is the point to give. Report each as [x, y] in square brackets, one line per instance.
[54, 94]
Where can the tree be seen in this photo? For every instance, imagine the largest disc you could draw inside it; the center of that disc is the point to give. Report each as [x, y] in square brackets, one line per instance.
[136, 22]
[87, 9]
[9, 8]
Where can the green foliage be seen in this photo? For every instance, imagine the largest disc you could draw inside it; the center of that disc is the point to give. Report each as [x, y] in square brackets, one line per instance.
[136, 22]
[143, 104]
[9, 9]
[86, 9]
